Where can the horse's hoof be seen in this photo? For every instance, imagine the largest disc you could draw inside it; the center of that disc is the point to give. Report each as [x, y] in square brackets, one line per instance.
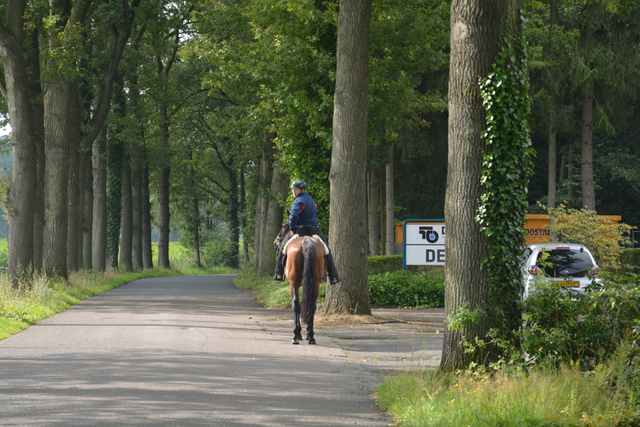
[298, 337]
[295, 341]
[312, 341]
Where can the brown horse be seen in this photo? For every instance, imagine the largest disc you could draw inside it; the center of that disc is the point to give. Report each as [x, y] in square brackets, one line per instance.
[304, 267]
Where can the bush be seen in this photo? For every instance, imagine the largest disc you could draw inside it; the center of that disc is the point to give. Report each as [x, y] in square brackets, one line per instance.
[630, 259]
[561, 327]
[404, 289]
[602, 236]
[384, 263]
[4, 253]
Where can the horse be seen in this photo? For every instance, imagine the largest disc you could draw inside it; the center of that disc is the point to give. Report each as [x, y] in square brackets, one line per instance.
[304, 267]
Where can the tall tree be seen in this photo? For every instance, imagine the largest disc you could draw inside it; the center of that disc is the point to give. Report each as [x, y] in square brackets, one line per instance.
[17, 96]
[475, 34]
[99, 210]
[373, 206]
[348, 161]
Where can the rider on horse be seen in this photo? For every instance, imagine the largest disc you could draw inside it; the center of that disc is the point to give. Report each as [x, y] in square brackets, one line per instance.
[303, 214]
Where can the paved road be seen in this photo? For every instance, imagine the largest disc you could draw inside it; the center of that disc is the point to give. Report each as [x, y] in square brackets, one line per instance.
[179, 351]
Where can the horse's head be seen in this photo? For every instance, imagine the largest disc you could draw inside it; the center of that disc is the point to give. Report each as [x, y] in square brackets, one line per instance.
[284, 231]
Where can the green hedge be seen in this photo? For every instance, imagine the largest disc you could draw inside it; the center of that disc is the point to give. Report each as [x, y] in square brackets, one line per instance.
[389, 263]
[384, 264]
[406, 289]
[630, 259]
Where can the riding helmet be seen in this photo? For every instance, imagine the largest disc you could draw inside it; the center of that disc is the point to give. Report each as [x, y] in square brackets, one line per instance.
[299, 184]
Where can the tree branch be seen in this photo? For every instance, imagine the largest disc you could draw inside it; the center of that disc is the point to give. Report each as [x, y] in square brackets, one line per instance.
[120, 37]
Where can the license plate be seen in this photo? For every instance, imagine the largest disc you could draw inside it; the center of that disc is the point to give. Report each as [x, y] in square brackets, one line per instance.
[568, 284]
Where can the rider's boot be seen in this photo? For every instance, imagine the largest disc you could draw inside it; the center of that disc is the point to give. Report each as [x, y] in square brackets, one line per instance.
[279, 276]
[334, 277]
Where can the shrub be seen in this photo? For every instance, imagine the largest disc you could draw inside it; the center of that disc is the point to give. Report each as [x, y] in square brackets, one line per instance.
[384, 263]
[630, 259]
[404, 289]
[560, 327]
[4, 253]
[602, 236]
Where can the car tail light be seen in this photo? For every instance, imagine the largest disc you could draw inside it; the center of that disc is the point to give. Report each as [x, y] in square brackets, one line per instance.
[533, 270]
[594, 271]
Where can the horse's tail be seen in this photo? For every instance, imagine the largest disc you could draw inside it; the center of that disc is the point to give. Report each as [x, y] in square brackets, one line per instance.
[309, 296]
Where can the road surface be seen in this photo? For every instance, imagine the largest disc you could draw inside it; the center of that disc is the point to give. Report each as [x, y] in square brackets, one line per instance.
[179, 351]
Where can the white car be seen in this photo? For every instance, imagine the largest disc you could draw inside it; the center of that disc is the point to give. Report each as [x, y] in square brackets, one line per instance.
[568, 264]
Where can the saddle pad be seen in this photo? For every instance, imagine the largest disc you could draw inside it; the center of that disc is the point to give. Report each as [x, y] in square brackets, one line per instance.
[315, 236]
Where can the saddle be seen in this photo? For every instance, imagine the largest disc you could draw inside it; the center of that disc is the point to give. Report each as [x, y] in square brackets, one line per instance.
[315, 236]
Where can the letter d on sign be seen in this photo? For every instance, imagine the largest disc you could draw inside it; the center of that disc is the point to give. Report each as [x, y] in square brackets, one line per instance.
[431, 255]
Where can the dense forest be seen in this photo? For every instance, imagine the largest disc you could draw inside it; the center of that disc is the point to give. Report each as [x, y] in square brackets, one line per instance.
[194, 117]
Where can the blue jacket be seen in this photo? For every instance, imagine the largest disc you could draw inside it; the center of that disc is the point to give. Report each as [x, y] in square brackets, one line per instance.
[303, 212]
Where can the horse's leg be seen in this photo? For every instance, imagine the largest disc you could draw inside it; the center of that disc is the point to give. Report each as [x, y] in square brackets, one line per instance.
[310, 337]
[297, 329]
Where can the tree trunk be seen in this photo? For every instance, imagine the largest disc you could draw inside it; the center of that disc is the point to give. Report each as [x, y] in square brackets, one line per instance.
[136, 172]
[234, 219]
[99, 231]
[23, 180]
[262, 208]
[163, 217]
[551, 190]
[382, 197]
[390, 224]
[87, 210]
[37, 124]
[73, 199]
[136, 211]
[147, 253]
[196, 230]
[163, 193]
[570, 176]
[588, 191]
[374, 192]
[243, 217]
[58, 124]
[114, 198]
[475, 34]
[126, 222]
[347, 178]
[273, 222]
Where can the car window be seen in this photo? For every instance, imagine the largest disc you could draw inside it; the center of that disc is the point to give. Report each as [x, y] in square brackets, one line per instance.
[563, 262]
[527, 252]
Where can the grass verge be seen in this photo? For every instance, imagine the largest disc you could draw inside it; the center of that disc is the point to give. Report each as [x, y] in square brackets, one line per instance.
[543, 397]
[23, 307]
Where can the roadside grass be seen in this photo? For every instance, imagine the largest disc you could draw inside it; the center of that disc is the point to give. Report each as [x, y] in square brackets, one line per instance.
[560, 397]
[43, 297]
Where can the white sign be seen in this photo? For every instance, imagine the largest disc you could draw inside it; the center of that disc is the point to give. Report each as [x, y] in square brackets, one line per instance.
[424, 243]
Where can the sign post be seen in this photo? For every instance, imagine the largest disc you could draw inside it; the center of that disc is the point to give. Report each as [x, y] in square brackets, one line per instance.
[423, 242]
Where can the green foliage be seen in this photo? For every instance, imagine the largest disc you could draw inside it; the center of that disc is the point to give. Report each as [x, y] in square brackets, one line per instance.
[506, 170]
[560, 398]
[384, 263]
[575, 362]
[4, 253]
[601, 235]
[630, 259]
[561, 327]
[405, 289]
